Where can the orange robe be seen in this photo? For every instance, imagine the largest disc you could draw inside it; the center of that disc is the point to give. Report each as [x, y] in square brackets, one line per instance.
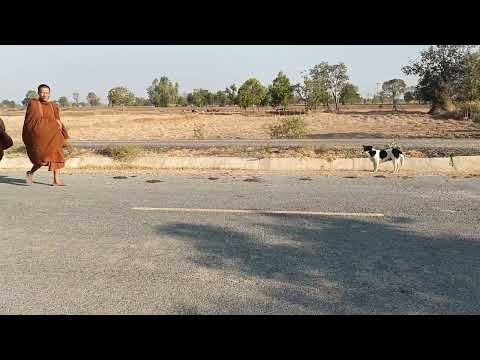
[5, 140]
[43, 139]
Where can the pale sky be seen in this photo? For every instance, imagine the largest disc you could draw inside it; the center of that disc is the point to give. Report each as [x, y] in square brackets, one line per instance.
[78, 68]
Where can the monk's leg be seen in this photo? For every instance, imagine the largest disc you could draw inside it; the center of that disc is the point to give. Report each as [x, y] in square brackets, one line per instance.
[56, 178]
[31, 172]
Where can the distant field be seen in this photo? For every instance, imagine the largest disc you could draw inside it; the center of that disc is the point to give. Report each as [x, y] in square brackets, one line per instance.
[148, 123]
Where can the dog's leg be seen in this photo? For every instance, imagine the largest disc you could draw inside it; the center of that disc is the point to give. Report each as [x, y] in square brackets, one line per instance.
[375, 166]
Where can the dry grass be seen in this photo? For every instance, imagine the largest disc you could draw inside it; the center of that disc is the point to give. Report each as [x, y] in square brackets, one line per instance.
[121, 153]
[17, 151]
[148, 124]
[69, 151]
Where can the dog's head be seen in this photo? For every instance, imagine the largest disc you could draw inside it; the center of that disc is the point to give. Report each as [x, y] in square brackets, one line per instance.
[367, 148]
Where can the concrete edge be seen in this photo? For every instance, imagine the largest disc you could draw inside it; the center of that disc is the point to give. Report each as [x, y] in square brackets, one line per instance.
[446, 165]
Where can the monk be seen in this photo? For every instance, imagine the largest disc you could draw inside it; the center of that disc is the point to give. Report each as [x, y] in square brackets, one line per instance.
[44, 136]
[5, 140]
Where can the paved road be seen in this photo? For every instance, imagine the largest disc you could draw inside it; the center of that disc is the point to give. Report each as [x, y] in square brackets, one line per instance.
[348, 143]
[83, 249]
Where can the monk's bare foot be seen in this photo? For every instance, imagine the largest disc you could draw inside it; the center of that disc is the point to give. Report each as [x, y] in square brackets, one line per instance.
[29, 178]
[59, 183]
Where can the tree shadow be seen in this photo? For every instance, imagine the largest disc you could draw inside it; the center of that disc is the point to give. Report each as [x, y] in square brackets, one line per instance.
[20, 182]
[343, 266]
[12, 181]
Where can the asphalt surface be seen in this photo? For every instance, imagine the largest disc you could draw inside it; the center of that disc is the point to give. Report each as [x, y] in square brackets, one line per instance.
[337, 142]
[82, 249]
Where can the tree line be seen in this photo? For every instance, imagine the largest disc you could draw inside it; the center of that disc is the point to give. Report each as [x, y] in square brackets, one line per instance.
[448, 80]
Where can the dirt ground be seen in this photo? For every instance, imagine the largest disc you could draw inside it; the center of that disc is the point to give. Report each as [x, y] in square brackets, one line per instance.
[305, 175]
[221, 123]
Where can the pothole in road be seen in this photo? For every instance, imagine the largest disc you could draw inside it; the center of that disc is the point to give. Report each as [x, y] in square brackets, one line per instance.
[153, 181]
[120, 177]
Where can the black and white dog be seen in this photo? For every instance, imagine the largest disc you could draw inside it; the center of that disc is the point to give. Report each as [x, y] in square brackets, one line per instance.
[379, 156]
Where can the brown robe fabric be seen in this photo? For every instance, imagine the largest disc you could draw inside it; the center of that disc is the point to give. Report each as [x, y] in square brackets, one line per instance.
[5, 140]
[43, 139]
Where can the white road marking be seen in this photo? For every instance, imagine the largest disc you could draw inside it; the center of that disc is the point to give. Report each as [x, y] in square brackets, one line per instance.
[256, 211]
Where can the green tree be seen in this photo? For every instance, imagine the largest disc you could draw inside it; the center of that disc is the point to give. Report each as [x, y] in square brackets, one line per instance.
[76, 98]
[381, 97]
[232, 94]
[440, 70]
[221, 98]
[190, 100]
[410, 94]
[163, 92]
[333, 77]
[63, 101]
[469, 87]
[266, 99]
[181, 101]
[200, 97]
[350, 94]
[93, 99]
[120, 96]
[31, 94]
[9, 104]
[251, 93]
[392, 88]
[280, 92]
[408, 97]
[139, 101]
[209, 97]
[312, 92]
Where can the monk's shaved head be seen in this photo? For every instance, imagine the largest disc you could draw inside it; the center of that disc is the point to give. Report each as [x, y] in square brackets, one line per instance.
[43, 86]
[43, 92]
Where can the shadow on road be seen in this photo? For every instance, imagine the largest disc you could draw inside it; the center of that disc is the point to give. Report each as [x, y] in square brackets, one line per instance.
[20, 182]
[12, 181]
[338, 265]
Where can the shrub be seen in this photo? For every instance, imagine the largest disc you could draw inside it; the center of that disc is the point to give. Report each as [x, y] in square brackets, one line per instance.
[476, 116]
[198, 132]
[468, 108]
[393, 144]
[121, 153]
[289, 128]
